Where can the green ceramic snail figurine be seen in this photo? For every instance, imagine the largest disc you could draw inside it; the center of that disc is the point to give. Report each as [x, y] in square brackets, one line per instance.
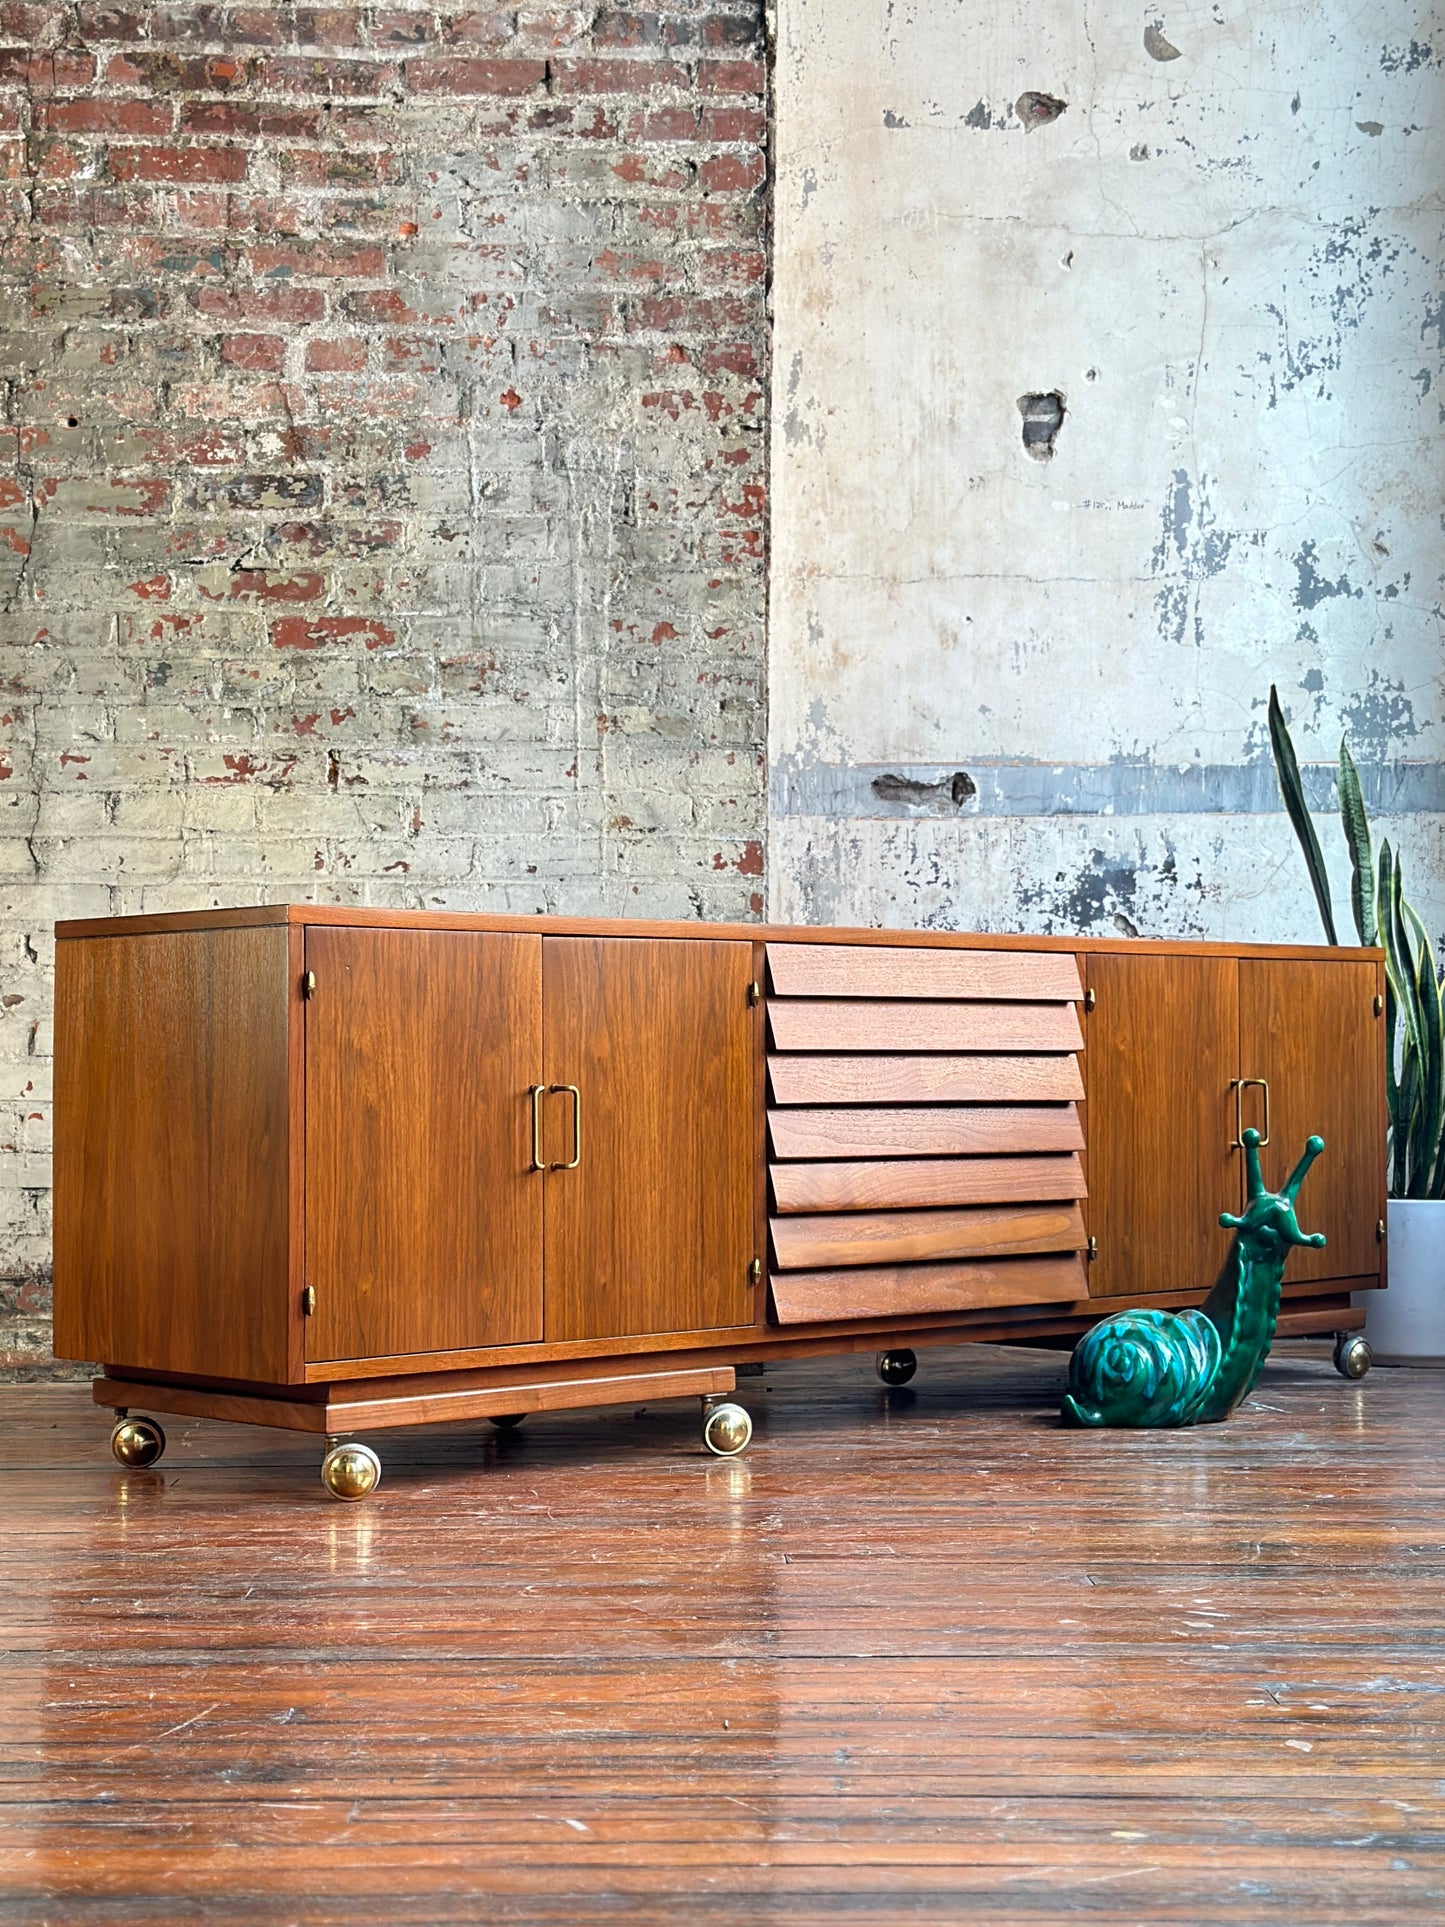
[1159, 1368]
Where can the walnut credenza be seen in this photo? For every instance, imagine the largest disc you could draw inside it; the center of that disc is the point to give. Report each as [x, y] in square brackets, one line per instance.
[345, 1169]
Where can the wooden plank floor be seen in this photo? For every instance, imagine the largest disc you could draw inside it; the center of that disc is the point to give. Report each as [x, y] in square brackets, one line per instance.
[918, 1656]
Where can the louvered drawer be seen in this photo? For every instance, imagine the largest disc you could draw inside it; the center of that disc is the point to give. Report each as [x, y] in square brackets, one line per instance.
[924, 1130]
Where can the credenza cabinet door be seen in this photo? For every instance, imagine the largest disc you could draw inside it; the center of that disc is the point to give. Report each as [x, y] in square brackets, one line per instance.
[423, 1214]
[649, 1129]
[1161, 1048]
[1309, 1029]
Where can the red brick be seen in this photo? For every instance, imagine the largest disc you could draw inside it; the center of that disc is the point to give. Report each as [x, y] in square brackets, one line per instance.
[93, 116]
[731, 77]
[219, 164]
[305, 632]
[259, 26]
[319, 261]
[734, 124]
[266, 585]
[500, 77]
[557, 26]
[664, 124]
[620, 29]
[32, 26]
[617, 76]
[640, 171]
[329, 27]
[339, 357]
[731, 267]
[112, 23]
[59, 207]
[260, 304]
[263, 354]
[690, 315]
[386, 306]
[334, 79]
[243, 119]
[730, 30]
[60, 72]
[730, 358]
[402, 29]
[167, 73]
[481, 29]
[731, 173]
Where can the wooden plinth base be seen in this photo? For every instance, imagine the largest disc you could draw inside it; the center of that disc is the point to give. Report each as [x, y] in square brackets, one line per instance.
[338, 1415]
[426, 1398]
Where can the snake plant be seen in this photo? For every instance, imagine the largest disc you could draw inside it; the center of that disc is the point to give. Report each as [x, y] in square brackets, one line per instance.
[1415, 1064]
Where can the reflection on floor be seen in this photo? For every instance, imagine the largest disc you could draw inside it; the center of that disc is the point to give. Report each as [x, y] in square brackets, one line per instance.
[918, 1655]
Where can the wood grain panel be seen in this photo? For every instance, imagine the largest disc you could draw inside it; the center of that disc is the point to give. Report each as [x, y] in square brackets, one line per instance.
[807, 1297]
[840, 1025]
[171, 1151]
[653, 1232]
[924, 1080]
[897, 1183]
[423, 1219]
[938, 1131]
[1311, 1031]
[906, 1237]
[1162, 1048]
[863, 970]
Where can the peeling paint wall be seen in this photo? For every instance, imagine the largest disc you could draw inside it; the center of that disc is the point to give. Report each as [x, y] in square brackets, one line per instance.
[1108, 351]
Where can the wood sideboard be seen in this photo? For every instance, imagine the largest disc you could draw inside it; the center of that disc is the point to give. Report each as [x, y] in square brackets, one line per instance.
[343, 1169]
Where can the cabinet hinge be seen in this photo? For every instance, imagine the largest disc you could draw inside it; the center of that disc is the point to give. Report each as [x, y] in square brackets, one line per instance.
[1090, 999]
[755, 1271]
[755, 993]
[308, 1301]
[1379, 1231]
[1091, 1249]
[1379, 1005]
[308, 984]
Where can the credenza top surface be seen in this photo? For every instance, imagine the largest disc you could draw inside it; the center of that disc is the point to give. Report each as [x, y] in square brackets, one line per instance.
[322, 914]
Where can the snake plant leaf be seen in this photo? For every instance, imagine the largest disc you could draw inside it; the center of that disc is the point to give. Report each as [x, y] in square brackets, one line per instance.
[1395, 1135]
[1357, 836]
[1399, 965]
[1402, 931]
[1291, 788]
[1432, 1073]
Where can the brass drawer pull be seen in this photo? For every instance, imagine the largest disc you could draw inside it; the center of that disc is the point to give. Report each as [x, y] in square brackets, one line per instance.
[539, 1162]
[576, 1097]
[1241, 1084]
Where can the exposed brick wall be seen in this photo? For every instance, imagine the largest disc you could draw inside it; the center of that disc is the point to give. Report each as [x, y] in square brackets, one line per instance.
[383, 506]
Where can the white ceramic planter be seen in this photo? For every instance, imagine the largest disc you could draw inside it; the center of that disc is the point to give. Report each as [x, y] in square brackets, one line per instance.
[1406, 1323]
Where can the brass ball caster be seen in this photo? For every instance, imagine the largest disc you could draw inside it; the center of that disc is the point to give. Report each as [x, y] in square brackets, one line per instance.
[726, 1429]
[508, 1421]
[350, 1470]
[1352, 1355]
[896, 1368]
[137, 1441]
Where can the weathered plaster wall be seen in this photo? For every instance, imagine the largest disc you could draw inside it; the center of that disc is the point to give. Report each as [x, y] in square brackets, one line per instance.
[383, 404]
[1214, 233]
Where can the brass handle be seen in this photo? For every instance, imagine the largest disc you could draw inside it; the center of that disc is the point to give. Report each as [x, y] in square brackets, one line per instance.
[539, 1161]
[1241, 1084]
[576, 1157]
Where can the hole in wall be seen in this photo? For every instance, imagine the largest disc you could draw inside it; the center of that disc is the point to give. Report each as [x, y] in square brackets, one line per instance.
[1037, 110]
[955, 789]
[1043, 418]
